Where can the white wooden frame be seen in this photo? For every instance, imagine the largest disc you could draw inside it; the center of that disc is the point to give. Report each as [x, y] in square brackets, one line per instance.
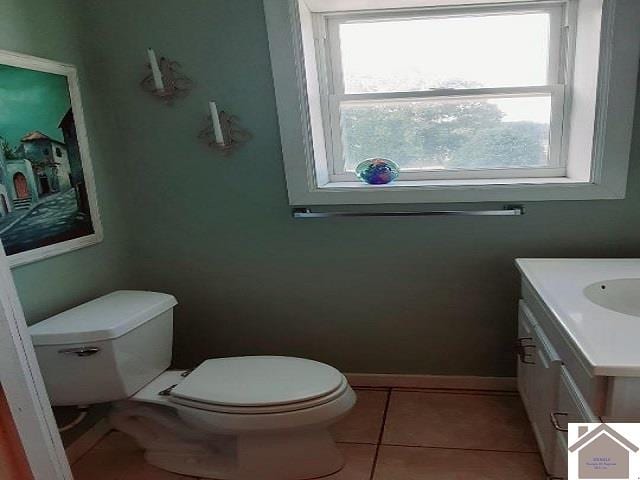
[24, 387]
[70, 72]
[557, 164]
[606, 79]
[333, 94]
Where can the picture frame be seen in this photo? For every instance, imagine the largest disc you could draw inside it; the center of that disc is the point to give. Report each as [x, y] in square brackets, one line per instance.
[48, 200]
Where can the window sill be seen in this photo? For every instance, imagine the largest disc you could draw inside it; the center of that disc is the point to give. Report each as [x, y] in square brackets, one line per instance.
[480, 182]
[454, 191]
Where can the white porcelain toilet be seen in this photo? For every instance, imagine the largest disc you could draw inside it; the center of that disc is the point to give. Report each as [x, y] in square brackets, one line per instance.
[245, 418]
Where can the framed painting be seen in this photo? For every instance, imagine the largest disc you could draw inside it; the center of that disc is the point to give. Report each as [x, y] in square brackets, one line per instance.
[48, 202]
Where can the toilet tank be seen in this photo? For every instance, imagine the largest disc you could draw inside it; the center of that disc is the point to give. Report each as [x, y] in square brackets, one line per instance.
[106, 349]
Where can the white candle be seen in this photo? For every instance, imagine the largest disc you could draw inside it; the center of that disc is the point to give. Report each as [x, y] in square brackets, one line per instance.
[155, 70]
[217, 128]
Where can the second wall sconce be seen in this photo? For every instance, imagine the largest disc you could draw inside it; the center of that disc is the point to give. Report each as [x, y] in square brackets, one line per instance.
[223, 131]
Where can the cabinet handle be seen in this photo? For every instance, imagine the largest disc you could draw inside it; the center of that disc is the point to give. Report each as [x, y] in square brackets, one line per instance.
[522, 353]
[555, 423]
[523, 357]
[520, 341]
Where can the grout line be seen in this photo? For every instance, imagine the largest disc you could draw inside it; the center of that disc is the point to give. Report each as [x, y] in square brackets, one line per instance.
[371, 389]
[384, 423]
[95, 447]
[457, 391]
[463, 449]
[357, 443]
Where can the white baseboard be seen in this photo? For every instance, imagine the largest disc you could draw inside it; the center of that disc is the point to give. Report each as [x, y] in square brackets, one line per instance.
[87, 440]
[503, 384]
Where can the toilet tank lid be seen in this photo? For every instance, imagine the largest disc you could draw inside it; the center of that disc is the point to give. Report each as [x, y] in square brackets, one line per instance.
[104, 318]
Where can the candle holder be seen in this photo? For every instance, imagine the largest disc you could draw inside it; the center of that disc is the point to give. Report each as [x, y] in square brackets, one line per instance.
[176, 85]
[232, 133]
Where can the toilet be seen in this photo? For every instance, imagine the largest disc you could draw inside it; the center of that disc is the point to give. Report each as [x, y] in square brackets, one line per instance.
[239, 418]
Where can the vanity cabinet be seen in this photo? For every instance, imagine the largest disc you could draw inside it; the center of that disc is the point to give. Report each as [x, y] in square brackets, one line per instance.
[577, 348]
[554, 382]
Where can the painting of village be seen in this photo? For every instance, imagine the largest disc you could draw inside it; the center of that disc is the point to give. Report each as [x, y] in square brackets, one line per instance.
[43, 190]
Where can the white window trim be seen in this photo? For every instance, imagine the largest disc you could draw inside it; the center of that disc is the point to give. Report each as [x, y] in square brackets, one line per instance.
[557, 168]
[332, 92]
[606, 89]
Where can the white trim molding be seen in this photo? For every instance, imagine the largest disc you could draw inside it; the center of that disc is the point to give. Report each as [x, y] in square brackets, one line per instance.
[321, 6]
[602, 70]
[24, 387]
[444, 382]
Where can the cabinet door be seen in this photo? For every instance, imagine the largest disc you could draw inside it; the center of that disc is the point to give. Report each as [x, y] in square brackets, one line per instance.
[571, 408]
[525, 351]
[538, 376]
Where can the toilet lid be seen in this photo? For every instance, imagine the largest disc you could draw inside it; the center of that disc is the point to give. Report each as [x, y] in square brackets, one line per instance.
[258, 381]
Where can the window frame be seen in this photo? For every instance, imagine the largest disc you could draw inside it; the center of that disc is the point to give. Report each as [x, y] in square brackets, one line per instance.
[603, 92]
[332, 90]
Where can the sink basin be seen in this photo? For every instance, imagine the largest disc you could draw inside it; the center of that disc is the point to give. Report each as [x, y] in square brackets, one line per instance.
[621, 295]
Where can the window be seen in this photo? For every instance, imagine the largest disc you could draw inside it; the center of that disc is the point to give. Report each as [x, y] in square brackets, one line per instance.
[474, 100]
[469, 93]
[58, 152]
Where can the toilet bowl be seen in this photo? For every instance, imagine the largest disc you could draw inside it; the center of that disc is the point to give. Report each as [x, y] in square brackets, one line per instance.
[239, 418]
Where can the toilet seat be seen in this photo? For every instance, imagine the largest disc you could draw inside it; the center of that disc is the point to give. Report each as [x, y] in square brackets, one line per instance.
[290, 407]
[259, 385]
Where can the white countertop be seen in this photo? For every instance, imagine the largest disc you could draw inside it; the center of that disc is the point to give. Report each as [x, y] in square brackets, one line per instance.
[609, 341]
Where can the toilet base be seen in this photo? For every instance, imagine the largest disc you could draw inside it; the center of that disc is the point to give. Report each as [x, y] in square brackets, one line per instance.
[170, 444]
[297, 456]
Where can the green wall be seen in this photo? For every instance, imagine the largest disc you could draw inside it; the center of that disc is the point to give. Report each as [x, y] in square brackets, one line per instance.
[407, 295]
[49, 29]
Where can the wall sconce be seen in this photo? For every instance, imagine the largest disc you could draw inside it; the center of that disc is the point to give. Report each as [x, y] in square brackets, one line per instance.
[164, 81]
[223, 131]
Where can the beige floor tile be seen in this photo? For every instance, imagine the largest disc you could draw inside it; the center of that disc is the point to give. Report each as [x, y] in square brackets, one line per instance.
[358, 462]
[416, 463]
[364, 422]
[117, 441]
[488, 422]
[118, 458]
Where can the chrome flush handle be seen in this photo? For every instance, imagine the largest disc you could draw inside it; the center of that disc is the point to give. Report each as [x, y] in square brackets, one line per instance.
[80, 351]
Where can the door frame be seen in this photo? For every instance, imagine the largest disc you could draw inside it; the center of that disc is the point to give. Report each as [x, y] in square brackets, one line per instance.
[24, 387]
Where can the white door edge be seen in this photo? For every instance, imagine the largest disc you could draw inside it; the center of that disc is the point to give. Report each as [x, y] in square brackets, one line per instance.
[24, 388]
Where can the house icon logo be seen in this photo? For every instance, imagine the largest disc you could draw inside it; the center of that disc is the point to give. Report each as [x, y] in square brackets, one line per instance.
[601, 451]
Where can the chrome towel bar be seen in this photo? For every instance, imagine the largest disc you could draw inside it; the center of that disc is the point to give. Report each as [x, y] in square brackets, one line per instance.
[507, 211]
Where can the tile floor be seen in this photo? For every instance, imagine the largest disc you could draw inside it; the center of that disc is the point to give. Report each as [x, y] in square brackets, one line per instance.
[395, 434]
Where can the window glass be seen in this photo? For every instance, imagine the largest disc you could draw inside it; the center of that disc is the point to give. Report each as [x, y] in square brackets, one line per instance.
[452, 133]
[489, 50]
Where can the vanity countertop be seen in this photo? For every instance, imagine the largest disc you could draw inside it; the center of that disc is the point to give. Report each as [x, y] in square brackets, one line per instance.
[608, 340]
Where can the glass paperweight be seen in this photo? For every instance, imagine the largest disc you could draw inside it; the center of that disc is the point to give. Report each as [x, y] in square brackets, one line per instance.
[377, 171]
